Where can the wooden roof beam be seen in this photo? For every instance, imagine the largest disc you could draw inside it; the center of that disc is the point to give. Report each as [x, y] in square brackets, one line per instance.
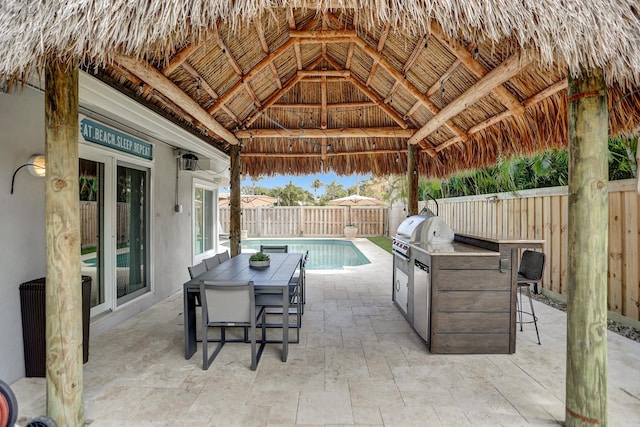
[417, 50]
[380, 132]
[330, 106]
[261, 65]
[543, 94]
[324, 155]
[323, 110]
[273, 98]
[503, 72]
[165, 86]
[393, 114]
[389, 68]
[320, 35]
[504, 96]
[205, 86]
[230, 59]
[182, 55]
[436, 86]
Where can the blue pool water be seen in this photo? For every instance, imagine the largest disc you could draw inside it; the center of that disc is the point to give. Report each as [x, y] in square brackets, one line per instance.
[122, 260]
[324, 254]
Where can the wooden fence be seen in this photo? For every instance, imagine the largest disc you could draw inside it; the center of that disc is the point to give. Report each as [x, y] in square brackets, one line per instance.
[89, 224]
[543, 214]
[309, 221]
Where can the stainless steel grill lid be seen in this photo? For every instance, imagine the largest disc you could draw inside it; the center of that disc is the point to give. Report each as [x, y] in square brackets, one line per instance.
[410, 229]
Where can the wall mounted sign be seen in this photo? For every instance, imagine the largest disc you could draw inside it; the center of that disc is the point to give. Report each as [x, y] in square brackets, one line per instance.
[108, 137]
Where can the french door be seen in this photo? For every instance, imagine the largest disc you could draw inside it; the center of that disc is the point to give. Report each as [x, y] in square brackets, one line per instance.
[114, 204]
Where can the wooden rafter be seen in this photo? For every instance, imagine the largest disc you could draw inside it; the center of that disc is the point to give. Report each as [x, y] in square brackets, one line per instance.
[543, 94]
[323, 110]
[265, 48]
[503, 72]
[182, 55]
[273, 98]
[503, 95]
[435, 87]
[378, 101]
[324, 154]
[417, 50]
[379, 132]
[383, 39]
[208, 89]
[354, 105]
[165, 86]
[371, 95]
[261, 65]
[415, 92]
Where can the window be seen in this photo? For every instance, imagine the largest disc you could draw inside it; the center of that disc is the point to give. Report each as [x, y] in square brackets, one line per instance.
[203, 219]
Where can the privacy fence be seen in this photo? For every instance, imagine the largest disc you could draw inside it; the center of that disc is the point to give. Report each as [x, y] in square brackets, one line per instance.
[309, 221]
[543, 214]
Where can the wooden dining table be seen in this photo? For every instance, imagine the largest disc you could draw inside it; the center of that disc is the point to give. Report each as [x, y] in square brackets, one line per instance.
[271, 280]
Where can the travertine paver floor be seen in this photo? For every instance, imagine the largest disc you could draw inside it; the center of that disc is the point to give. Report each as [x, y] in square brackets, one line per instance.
[358, 362]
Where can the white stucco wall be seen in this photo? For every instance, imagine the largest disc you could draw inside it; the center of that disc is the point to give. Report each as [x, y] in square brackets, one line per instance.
[21, 219]
[22, 214]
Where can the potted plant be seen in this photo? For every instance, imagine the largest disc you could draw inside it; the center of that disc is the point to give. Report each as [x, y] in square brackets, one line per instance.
[259, 260]
[350, 231]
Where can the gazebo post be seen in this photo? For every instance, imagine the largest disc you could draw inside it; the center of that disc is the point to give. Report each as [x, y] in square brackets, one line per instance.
[586, 382]
[235, 210]
[412, 178]
[63, 290]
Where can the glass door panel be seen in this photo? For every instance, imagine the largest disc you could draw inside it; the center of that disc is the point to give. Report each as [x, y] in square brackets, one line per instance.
[131, 230]
[91, 179]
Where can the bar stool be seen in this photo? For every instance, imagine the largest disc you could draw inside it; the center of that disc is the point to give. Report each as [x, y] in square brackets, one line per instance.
[529, 274]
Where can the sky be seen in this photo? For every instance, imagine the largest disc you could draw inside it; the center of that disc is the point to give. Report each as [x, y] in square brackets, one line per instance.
[305, 181]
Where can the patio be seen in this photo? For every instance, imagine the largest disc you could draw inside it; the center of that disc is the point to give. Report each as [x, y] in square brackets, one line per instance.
[358, 362]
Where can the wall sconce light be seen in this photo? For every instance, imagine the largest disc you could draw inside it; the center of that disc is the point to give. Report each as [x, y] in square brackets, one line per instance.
[36, 165]
[189, 162]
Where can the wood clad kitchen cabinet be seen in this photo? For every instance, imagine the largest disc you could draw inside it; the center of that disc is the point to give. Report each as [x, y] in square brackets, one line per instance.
[470, 305]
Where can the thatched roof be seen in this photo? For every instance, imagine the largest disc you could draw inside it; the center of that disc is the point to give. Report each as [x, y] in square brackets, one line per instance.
[345, 85]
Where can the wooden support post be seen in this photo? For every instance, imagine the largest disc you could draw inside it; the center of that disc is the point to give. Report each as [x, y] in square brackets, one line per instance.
[63, 290]
[412, 178]
[235, 210]
[586, 384]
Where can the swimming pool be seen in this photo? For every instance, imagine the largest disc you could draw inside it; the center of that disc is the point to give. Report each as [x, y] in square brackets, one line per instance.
[122, 260]
[324, 254]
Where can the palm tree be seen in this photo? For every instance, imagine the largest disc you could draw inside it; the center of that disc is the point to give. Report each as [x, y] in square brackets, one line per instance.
[315, 185]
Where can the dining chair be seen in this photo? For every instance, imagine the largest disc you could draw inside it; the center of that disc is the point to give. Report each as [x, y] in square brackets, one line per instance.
[195, 271]
[212, 262]
[272, 304]
[274, 249]
[529, 274]
[297, 284]
[228, 304]
[223, 256]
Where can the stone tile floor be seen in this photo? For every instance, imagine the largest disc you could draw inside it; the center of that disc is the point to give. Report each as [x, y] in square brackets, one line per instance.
[358, 363]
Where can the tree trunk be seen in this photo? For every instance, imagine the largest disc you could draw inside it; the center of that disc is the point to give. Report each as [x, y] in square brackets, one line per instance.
[235, 210]
[63, 290]
[586, 387]
[412, 178]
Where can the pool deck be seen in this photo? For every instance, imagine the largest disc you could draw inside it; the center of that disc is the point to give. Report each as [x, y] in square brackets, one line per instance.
[358, 363]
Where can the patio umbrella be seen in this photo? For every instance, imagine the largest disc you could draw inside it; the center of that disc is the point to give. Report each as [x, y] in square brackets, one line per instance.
[251, 201]
[355, 200]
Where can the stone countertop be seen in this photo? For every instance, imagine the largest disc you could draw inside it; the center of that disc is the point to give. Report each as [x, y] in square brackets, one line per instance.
[453, 248]
[501, 238]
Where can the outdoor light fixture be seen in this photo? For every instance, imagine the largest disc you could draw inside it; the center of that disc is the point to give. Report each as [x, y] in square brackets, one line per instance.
[36, 166]
[189, 162]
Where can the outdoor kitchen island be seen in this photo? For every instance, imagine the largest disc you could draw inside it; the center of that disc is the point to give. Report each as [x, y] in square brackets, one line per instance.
[461, 296]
